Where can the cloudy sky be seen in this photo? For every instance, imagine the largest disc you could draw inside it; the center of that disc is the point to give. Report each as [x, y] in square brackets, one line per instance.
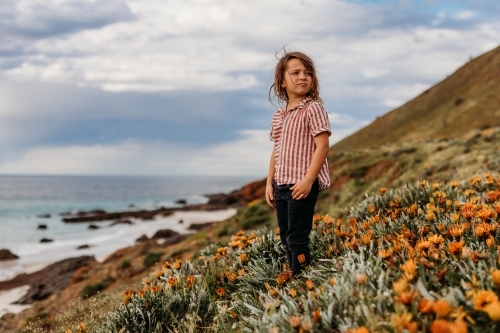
[179, 87]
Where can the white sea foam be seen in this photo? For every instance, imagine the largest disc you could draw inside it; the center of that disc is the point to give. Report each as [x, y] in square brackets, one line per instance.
[103, 241]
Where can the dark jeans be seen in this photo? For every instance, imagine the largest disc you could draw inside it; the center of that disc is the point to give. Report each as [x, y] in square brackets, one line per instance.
[295, 224]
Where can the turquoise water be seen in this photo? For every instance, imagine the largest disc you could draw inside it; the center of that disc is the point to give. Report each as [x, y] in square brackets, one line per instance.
[23, 199]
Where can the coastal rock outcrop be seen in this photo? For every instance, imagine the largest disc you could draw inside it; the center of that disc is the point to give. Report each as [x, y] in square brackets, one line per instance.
[165, 233]
[42, 227]
[5, 254]
[55, 278]
[46, 240]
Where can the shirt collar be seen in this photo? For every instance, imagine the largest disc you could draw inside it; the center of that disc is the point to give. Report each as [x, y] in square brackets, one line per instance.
[301, 104]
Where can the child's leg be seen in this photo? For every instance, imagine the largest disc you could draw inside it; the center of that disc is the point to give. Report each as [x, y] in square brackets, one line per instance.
[300, 217]
[281, 198]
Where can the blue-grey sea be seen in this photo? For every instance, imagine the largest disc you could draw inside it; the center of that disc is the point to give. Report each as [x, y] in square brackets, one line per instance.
[25, 201]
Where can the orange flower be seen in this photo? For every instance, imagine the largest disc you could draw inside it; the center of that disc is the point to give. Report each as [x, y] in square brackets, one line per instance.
[301, 258]
[400, 285]
[283, 277]
[495, 277]
[243, 258]
[331, 281]
[425, 306]
[410, 269]
[295, 321]
[455, 247]
[220, 291]
[435, 239]
[81, 326]
[382, 190]
[316, 316]
[440, 326]
[482, 230]
[273, 292]
[189, 281]
[493, 311]
[309, 285]
[292, 292]
[456, 230]
[490, 241]
[441, 308]
[172, 281]
[361, 278]
[362, 329]
[385, 253]
[484, 297]
[232, 277]
[241, 272]
[406, 297]
[403, 321]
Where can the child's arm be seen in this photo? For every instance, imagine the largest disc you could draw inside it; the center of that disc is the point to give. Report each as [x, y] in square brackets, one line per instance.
[270, 178]
[303, 187]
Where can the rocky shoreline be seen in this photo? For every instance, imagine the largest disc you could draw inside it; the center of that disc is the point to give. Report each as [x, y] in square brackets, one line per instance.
[57, 276]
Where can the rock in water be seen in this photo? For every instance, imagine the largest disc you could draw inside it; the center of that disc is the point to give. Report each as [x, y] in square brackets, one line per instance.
[5, 254]
[46, 240]
[164, 233]
[43, 216]
[42, 226]
[81, 247]
[93, 227]
[58, 277]
[121, 222]
[181, 202]
[143, 238]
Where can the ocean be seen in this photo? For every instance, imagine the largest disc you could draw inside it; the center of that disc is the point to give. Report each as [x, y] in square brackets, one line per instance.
[28, 201]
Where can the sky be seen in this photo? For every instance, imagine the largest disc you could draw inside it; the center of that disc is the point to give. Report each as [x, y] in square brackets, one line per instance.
[180, 87]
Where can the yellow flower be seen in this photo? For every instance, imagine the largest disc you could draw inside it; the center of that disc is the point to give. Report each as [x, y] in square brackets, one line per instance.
[382, 190]
[292, 292]
[283, 277]
[271, 290]
[331, 281]
[456, 230]
[232, 277]
[406, 297]
[81, 326]
[490, 241]
[455, 247]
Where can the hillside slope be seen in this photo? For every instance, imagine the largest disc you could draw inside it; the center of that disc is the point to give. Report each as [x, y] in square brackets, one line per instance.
[467, 99]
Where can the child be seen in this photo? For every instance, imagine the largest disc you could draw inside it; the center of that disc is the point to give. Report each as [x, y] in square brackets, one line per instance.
[298, 169]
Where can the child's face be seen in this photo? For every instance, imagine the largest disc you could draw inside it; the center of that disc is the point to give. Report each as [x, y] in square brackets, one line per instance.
[298, 79]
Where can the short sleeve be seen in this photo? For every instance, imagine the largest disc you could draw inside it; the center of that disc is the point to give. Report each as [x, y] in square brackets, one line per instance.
[318, 119]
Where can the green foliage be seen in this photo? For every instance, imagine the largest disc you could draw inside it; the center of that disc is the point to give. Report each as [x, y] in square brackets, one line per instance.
[349, 284]
[90, 290]
[151, 258]
[253, 216]
[125, 264]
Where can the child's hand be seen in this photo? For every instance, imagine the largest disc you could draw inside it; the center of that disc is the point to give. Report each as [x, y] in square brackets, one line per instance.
[270, 195]
[301, 189]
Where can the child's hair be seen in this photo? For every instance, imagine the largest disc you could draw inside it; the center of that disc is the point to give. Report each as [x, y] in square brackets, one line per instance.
[279, 76]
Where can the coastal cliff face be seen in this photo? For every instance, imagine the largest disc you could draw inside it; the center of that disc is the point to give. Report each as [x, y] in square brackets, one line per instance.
[449, 133]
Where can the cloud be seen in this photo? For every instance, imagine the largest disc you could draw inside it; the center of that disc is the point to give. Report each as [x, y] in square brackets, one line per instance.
[94, 81]
[248, 155]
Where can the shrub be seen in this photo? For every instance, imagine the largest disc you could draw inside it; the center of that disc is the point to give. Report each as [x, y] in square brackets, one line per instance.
[90, 290]
[125, 264]
[151, 259]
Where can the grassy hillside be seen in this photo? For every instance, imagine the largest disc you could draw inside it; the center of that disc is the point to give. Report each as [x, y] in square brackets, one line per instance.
[466, 100]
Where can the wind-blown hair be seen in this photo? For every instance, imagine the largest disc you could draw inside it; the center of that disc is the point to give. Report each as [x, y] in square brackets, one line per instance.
[279, 76]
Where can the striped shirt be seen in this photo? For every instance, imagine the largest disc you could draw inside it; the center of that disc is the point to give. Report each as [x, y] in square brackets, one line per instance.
[293, 135]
